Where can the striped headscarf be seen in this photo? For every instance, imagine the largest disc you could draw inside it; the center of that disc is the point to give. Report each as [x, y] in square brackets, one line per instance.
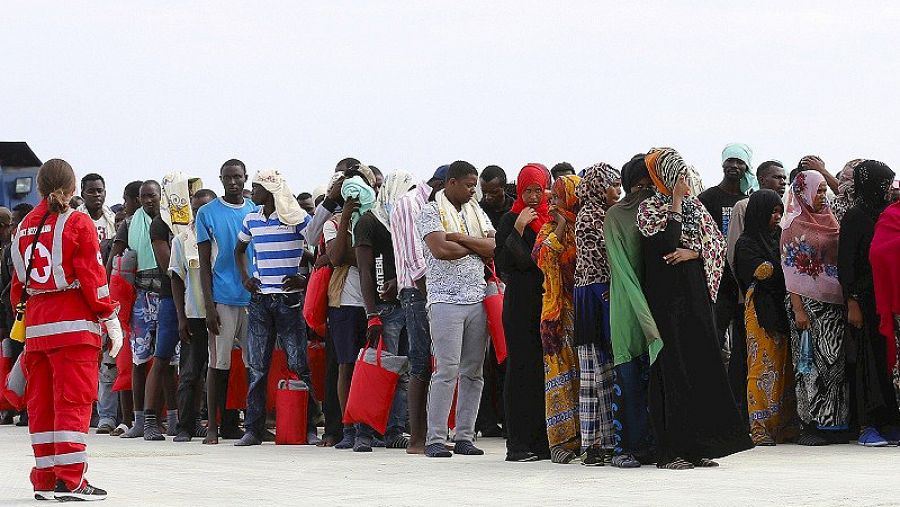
[699, 231]
[592, 265]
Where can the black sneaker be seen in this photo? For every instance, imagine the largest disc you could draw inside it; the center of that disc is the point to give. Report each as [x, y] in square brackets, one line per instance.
[231, 433]
[596, 456]
[83, 493]
[183, 436]
[466, 448]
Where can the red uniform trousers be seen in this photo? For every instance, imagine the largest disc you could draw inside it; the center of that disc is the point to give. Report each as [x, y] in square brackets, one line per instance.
[62, 386]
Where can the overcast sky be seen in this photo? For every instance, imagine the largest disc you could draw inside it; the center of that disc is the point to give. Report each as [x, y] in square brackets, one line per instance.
[133, 90]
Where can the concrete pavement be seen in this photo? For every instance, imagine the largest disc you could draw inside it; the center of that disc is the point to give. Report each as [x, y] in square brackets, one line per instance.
[165, 473]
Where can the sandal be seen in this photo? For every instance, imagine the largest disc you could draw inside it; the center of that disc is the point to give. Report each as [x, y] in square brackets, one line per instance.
[397, 442]
[561, 456]
[811, 440]
[625, 461]
[675, 464]
[763, 441]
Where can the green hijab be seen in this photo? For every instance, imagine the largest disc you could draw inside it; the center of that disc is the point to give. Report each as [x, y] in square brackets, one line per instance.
[359, 189]
[633, 329]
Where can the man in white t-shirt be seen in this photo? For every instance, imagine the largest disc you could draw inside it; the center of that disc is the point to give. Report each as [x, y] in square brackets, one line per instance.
[93, 192]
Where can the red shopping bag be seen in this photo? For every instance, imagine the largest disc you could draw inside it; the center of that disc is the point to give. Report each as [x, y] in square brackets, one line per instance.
[278, 371]
[493, 306]
[315, 306]
[451, 419]
[124, 364]
[371, 392]
[237, 383]
[291, 400]
[122, 291]
[315, 356]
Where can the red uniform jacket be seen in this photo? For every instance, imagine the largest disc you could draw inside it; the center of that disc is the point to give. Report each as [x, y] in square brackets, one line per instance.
[68, 290]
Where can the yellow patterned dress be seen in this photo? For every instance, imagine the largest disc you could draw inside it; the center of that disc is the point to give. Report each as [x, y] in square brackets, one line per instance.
[770, 376]
[555, 256]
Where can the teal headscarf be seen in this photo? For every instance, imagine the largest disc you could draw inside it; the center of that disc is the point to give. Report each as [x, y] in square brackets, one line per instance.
[357, 188]
[743, 153]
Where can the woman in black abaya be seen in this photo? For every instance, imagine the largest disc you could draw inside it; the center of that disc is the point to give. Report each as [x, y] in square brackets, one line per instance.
[692, 410]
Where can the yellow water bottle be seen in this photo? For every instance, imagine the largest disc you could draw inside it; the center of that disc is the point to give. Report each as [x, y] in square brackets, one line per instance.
[17, 332]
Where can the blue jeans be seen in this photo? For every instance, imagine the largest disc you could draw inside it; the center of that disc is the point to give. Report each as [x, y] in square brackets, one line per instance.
[413, 303]
[274, 316]
[393, 319]
[107, 400]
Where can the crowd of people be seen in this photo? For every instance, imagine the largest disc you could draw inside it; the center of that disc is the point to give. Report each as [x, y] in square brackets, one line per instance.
[671, 325]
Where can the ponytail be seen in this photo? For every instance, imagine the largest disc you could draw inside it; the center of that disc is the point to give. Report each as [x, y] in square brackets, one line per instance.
[57, 201]
[56, 183]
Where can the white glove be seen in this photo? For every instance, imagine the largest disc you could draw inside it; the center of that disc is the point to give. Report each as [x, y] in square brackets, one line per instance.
[114, 332]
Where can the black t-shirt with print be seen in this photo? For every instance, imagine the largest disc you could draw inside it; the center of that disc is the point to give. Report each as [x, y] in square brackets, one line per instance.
[719, 204]
[369, 231]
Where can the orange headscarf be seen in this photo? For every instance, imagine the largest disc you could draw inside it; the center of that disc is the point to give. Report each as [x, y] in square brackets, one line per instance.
[556, 258]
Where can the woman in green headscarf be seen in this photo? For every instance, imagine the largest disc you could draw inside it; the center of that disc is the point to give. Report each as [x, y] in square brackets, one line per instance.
[635, 338]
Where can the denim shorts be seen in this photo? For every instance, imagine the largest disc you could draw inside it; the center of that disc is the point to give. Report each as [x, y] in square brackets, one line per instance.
[347, 330]
[166, 330]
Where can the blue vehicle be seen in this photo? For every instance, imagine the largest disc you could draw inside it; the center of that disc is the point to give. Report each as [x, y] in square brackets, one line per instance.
[18, 174]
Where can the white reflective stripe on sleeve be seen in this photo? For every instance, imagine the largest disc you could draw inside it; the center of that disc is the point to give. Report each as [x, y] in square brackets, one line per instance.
[66, 326]
[102, 291]
[44, 461]
[16, 255]
[56, 254]
[70, 458]
[49, 437]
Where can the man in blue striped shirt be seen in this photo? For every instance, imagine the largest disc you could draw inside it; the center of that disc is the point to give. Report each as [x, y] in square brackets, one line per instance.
[277, 289]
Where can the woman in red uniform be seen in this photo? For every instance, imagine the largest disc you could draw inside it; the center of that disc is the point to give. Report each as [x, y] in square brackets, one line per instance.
[58, 272]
